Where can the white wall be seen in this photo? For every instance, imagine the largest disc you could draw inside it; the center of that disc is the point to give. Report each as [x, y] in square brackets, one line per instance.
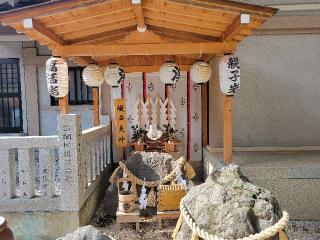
[278, 104]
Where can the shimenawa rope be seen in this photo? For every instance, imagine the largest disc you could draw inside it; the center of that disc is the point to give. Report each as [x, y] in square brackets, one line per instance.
[151, 184]
[265, 234]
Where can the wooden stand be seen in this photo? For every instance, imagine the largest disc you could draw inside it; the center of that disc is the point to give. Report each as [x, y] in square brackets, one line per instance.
[134, 217]
[166, 215]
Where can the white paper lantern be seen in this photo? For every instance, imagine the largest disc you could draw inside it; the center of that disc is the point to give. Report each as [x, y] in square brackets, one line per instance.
[200, 72]
[57, 77]
[93, 75]
[229, 73]
[169, 73]
[114, 75]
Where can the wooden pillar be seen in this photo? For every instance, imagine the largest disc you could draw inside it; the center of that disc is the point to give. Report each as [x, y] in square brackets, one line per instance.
[63, 105]
[204, 112]
[227, 129]
[96, 114]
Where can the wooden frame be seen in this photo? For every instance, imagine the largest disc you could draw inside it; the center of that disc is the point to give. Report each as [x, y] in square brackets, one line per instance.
[102, 50]
[105, 31]
[184, 27]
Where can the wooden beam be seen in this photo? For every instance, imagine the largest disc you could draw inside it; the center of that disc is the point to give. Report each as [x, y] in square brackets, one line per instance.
[146, 49]
[150, 69]
[96, 114]
[222, 6]
[183, 27]
[82, 61]
[93, 22]
[138, 11]
[99, 37]
[98, 30]
[32, 26]
[46, 9]
[88, 14]
[185, 10]
[204, 113]
[192, 21]
[235, 28]
[227, 129]
[179, 35]
[64, 105]
[37, 31]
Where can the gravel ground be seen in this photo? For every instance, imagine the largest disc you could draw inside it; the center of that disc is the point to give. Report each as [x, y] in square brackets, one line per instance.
[297, 230]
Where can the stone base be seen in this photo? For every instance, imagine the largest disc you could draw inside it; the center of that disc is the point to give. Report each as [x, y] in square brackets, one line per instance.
[51, 225]
[293, 176]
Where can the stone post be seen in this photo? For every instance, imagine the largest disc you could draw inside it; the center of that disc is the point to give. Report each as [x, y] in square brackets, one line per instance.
[30, 74]
[7, 174]
[69, 132]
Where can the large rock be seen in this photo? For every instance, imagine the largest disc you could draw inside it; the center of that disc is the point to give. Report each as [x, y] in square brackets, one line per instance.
[150, 165]
[86, 233]
[229, 206]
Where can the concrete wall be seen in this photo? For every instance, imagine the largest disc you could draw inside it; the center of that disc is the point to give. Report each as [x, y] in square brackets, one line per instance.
[49, 114]
[278, 104]
[39, 117]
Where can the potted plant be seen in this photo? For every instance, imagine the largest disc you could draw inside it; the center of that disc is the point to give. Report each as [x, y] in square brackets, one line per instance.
[170, 138]
[138, 137]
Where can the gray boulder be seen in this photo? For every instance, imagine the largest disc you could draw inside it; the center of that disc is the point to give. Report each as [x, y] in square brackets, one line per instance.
[230, 206]
[150, 165]
[86, 233]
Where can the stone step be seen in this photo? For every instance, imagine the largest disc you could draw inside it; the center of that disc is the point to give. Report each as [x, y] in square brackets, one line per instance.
[273, 165]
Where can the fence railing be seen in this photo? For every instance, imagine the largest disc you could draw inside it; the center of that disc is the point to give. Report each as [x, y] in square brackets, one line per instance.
[53, 173]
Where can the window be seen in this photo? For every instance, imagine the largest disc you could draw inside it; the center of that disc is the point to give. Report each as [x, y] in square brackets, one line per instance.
[10, 97]
[79, 93]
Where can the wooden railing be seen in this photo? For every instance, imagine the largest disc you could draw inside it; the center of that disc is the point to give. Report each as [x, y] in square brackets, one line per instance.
[53, 173]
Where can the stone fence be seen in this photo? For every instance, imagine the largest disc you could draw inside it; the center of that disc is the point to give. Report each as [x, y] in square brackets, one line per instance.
[53, 173]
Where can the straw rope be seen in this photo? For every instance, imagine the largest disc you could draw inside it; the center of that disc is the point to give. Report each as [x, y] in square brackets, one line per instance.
[151, 184]
[265, 234]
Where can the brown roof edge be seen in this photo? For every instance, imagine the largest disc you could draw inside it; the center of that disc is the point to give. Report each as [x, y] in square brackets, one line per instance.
[60, 6]
[249, 6]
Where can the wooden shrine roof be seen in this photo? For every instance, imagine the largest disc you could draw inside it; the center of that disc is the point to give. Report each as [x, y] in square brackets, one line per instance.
[104, 31]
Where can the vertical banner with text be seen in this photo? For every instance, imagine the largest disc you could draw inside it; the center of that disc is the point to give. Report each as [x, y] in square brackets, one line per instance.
[120, 122]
